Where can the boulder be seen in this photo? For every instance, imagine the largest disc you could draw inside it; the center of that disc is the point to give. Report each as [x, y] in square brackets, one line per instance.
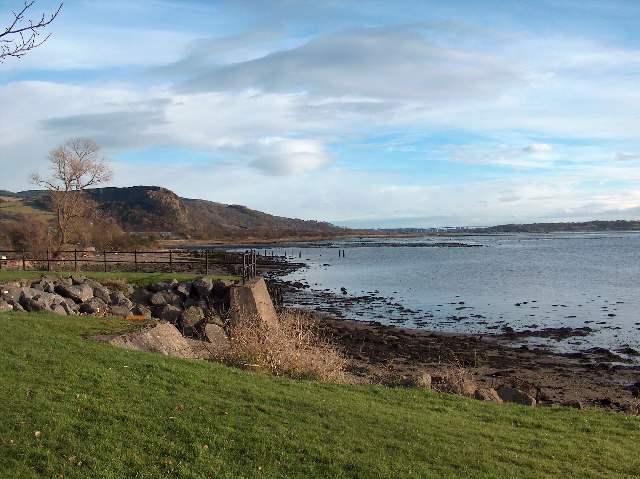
[201, 287]
[157, 299]
[93, 306]
[169, 313]
[79, 293]
[32, 299]
[59, 309]
[117, 310]
[184, 289]
[156, 287]
[173, 298]
[5, 306]
[162, 338]
[192, 316]
[418, 380]
[509, 394]
[15, 304]
[45, 284]
[487, 394]
[139, 310]
[217, 337]
[99, 291]
[117, 298]
[140, 296]
[200, 303]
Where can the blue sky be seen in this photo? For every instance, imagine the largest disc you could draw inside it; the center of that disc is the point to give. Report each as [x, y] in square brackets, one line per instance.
[367, 113]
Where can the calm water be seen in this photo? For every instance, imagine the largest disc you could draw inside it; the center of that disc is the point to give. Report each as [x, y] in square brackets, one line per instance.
[523, 281]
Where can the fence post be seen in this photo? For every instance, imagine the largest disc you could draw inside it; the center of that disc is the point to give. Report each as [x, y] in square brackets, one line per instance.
[48, 261]
[254, 261]
[206, 262]
[135, 260]
[105, 260]
[244, 268]
[75, 259]
[24, 261]
[170, 262]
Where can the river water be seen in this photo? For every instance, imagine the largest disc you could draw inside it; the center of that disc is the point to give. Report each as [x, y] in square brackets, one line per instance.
[519, 281]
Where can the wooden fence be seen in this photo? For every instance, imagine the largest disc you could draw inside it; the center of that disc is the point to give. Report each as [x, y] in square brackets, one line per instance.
[172, 261]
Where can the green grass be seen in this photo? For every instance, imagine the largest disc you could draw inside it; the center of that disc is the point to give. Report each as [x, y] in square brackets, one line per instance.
[111, 413]
[137, 279]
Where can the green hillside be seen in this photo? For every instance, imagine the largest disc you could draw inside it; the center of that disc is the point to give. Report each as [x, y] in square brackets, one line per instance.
[75, 408]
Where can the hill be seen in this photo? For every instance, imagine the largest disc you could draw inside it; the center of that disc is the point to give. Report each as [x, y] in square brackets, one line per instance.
[153, 209]
[617, 225]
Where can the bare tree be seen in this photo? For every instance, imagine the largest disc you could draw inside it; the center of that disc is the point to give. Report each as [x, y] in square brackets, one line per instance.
[74, 166]
[23, 34]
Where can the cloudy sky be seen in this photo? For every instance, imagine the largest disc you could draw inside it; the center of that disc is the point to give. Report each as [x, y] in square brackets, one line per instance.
[361, 113]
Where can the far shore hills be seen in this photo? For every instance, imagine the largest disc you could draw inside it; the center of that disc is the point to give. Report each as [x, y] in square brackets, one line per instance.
[176, 220]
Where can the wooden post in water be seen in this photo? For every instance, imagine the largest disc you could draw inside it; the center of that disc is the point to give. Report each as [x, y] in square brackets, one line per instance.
[135, 260]
[104, 259]
[48, 262]
[24, 261]
[75, 259]
[170, 262]
[206, 262]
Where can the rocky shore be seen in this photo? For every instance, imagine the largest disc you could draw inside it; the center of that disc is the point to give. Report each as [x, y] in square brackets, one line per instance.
[377, 353]
[384, 353]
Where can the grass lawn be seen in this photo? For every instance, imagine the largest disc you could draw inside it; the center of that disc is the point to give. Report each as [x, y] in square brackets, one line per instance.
[70, 407]
[139, 279]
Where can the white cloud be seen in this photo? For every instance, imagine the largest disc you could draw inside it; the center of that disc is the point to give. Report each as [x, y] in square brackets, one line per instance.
[538, 148]
[280, 156]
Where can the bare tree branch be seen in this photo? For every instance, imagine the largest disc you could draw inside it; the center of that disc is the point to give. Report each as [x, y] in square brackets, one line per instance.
[22, 35]
[74, 166]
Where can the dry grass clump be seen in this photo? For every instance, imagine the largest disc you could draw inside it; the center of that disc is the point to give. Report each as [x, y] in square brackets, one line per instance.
[293, 348]
[455, 379]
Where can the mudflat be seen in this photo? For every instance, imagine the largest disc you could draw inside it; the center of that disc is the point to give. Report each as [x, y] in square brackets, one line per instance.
[378, 351]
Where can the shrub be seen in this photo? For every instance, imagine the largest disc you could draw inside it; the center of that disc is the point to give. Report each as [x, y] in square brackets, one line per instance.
[293, 348]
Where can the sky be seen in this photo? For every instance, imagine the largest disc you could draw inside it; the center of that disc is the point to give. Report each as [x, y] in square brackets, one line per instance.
[360, 113]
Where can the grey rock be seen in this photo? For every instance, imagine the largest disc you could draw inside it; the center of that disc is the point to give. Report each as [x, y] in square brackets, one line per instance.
[78, 280]
[419, 380]
[32, 299]
[118, 310]
[15, 304]
[5, 306]
[157, 299]
[487, 394]
[93, 306]
[140, 310]
[217, 337]
[78, 292]
[59, 309]
[45, 284]
[156, 287]
[509, 394]
[99, 291]
[219, 289]
[173, 298]
[184, 289]
[140, 296]
[117, 298]
[169, 313]
[201, 287]
[192, 316]
[200, 303]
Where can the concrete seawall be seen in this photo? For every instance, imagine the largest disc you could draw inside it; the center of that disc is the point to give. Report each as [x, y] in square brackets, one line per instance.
[252, 300]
